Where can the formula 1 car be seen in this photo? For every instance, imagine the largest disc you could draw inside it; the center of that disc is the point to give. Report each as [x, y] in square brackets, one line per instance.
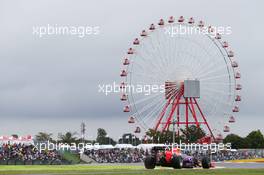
[166, 157]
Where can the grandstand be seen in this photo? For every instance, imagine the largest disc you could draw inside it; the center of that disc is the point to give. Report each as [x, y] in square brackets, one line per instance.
[21, 151]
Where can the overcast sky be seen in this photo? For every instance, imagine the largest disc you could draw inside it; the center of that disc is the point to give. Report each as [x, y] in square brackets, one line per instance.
[51, 83]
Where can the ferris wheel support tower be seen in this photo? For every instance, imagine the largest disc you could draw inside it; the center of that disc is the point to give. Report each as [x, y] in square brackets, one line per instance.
[182, 95]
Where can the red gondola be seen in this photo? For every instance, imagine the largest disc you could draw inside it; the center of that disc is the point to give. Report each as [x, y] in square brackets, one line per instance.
[130, 51]
[143, 33]
[126, 109]
[126, 61]
[236, 109]
[152, 27]
[238, 98]
[181, 19]
[161, 22]
[123, 73]
[137, 130]
[131, 120]
[225, 44]
[191, 20]
[237, 75]
[136, 41]
[171, 19]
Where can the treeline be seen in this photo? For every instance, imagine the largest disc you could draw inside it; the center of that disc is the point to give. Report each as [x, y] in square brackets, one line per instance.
[254, 140]
[73, 137]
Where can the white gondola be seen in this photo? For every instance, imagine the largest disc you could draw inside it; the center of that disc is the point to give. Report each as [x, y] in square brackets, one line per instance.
[191, 20]
[152, 27]
[226, 129]
[210, 29]
[230, 53]
[231, 119]
[123, 97]
[201, 24]
[219, 137]
[122, 85]
[234, 64]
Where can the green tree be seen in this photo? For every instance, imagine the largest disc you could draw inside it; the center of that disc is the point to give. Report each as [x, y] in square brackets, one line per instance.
[192, 133]
[68, 137]
[43, 136]
[255, 140]
[102, 137]
[236, 141]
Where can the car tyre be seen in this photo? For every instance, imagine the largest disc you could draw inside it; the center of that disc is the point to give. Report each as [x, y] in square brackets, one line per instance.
[205, 163]
[176, 162]
[149, 162]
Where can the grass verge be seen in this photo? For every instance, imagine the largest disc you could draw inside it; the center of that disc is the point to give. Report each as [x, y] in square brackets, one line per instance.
[120, 170]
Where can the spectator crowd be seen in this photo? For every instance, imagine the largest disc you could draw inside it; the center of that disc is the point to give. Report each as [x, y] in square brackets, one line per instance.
[239, 154]
[116, 155]
[26, 153]
[137, 155]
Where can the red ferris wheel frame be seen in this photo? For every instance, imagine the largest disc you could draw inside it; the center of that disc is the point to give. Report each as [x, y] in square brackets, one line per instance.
[191, 106]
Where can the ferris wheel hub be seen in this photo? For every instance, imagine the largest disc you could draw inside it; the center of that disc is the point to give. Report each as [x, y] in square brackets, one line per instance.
[191, 88]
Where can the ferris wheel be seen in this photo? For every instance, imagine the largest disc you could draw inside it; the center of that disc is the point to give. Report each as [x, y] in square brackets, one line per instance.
[198, 72]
